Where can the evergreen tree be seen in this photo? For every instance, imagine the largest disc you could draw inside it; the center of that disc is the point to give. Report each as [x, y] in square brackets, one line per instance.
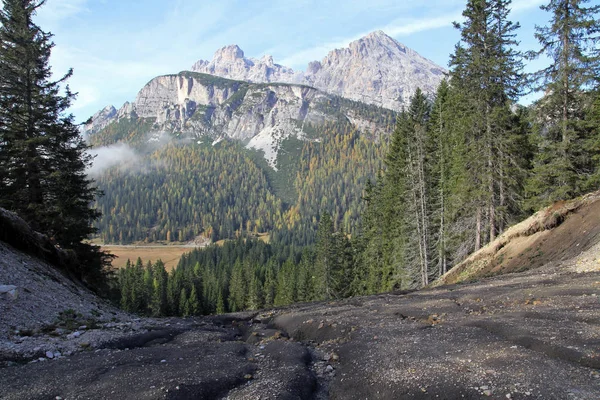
[255, 295]
[438, 169]
[237, 288]
[486, 75]
[562, 164]
[159, 305]
[42, 155]
[324, 260]
[194, 302]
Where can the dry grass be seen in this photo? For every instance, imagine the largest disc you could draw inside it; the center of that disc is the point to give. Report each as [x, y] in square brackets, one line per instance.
[170, 255]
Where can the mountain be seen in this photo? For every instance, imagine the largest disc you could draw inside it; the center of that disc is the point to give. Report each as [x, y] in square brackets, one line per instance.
[229, 62]
[261, 116]
[301, 149]
[375, 69]
[219, 156]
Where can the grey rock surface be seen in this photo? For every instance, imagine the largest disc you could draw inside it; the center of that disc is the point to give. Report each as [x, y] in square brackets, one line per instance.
[229, 62]
[477, 340]
[259, 115]
[375, 69]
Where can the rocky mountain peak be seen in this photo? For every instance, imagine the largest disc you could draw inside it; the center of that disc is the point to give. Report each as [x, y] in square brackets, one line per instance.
[100, 120]
[375, 69]
[378, 43]
[229, 53]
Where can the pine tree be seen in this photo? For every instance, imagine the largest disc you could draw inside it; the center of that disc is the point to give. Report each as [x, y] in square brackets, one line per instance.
[42, 155]
[562, 163]
[486, 76]
[159, 304]
[438, 169]
[325, 259]
[194, 302]
[255, 295]
[237, 288]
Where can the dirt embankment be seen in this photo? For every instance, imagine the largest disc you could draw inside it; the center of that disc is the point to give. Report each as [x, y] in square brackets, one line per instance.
[552, 235]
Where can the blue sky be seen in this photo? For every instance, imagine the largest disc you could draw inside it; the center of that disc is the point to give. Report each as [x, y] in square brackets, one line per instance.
[116, 46]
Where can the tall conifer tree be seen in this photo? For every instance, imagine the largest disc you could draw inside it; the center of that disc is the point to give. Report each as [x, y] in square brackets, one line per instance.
[562, 163]
[42, 155]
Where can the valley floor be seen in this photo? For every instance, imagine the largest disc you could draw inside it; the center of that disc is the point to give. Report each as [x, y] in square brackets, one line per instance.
[532, 335]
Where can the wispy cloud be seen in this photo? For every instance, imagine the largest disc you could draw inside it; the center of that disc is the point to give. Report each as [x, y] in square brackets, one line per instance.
[402, 27]
[110, 156]
[56, 10]
[398, 28]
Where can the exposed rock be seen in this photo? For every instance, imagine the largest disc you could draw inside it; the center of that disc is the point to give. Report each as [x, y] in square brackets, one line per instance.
[261, 116]
[375, 69]
[229, 62]
[9, 290]
[100, 120]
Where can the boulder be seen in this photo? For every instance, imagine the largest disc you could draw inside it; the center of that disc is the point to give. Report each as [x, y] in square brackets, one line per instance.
[9, 291]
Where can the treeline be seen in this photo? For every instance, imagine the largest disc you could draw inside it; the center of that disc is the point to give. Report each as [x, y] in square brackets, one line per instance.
[243, 274]
[187, 189]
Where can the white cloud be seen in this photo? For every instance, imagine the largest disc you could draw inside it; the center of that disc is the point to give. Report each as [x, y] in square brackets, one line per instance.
[401, 27]
[110, 156]
[523, 5]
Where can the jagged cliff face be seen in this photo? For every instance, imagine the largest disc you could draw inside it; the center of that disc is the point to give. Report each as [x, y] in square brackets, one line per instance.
[259, 115]
[100, 120]
[261, 103]
[375, 70]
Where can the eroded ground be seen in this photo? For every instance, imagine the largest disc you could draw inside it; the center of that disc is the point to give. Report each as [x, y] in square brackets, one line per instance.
[534, 335]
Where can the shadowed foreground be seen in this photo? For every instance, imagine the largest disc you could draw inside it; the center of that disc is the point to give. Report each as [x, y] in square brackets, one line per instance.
[534, 335]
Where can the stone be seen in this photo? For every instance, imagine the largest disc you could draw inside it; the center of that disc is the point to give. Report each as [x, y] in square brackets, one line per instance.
[74, 335]
[49, 354]
[375, 70]
[329, 368]
[9, 291]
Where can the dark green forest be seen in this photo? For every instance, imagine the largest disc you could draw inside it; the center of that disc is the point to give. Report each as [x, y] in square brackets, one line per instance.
[43, 157]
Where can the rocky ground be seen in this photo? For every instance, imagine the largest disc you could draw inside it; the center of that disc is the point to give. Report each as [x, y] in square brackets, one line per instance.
[532, 335]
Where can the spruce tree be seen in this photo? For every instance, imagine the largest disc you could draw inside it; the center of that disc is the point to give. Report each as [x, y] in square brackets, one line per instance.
[42, 154]
[486, 78]
[324, 259]
[563, 164]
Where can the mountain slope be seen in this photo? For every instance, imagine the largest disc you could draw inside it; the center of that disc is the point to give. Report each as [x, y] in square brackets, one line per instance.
[375, 69]
[318, 149]
[299, 151]
[259, 115]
